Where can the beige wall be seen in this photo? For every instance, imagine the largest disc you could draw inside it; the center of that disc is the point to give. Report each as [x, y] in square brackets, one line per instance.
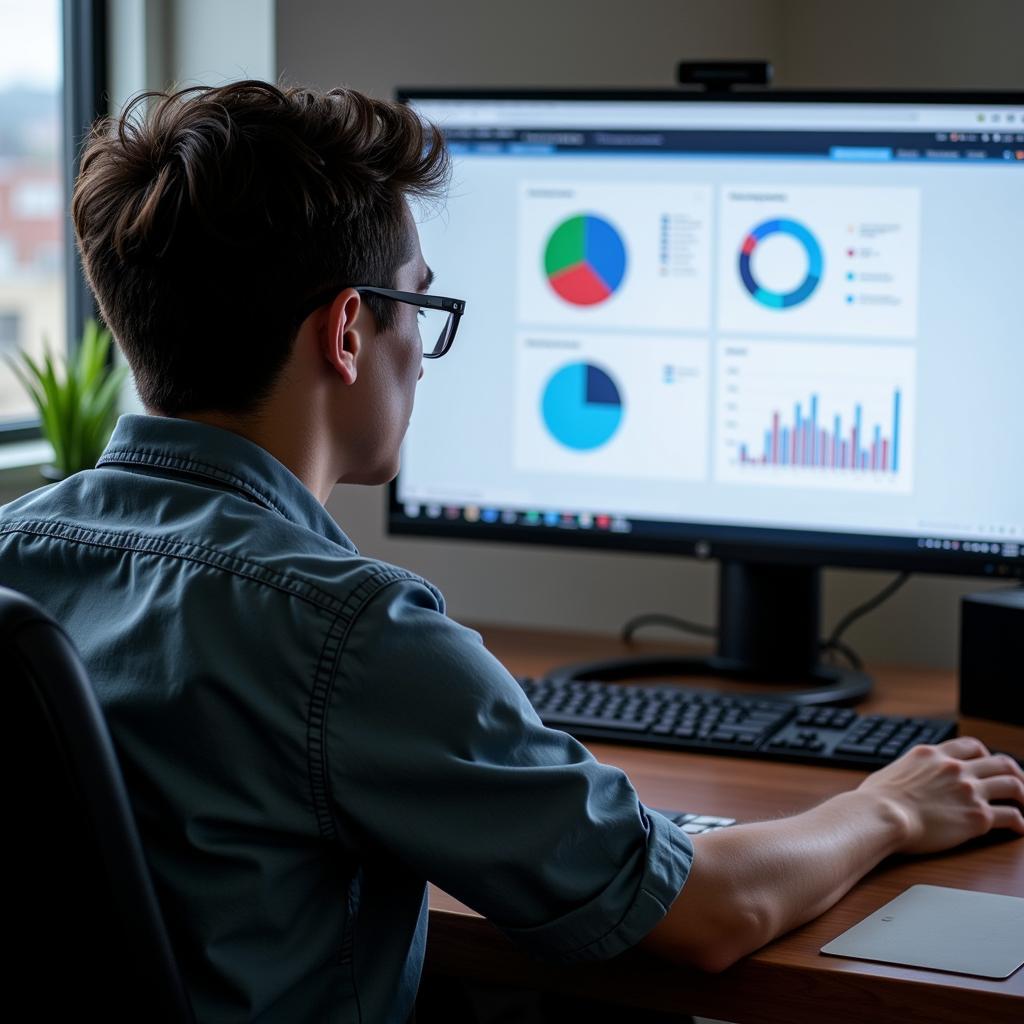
[817, 43]
[909, 44]
[812, 43]
[155, 43]
[376, 46]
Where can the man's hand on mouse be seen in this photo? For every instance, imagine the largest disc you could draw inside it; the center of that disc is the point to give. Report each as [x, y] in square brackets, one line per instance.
[946, 791]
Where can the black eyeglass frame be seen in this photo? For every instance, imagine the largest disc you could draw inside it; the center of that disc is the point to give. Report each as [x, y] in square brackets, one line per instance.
[453, 307]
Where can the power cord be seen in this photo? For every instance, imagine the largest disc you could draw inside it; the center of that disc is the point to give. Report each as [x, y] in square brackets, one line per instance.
[832, 644]
[671, 621]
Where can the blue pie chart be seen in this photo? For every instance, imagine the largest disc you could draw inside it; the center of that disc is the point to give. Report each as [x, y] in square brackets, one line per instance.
[581, 406]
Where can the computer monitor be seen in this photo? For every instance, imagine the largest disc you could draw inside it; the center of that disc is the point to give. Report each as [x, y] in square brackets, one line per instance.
[779, 329]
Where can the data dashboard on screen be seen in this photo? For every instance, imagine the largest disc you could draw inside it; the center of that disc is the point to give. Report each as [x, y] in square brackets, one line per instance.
[790, 316]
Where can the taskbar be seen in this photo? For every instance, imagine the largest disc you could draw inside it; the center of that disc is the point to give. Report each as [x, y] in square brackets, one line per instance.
[514, 517]
[1009, 548]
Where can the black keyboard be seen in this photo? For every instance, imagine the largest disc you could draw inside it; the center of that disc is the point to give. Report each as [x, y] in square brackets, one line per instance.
[736, 725]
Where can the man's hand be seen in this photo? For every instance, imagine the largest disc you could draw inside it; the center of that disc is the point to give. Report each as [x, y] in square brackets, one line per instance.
[944, 792]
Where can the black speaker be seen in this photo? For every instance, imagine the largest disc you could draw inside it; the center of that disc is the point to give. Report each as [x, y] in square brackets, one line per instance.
[992, 656]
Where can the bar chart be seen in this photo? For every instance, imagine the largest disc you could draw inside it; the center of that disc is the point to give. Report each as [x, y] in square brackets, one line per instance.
[816, 415]
[808, 442]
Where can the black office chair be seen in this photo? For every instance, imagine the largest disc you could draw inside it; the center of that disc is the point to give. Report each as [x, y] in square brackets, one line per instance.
[82, 921]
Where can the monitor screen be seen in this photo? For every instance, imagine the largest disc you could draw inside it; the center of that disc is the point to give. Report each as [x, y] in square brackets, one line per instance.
[780, 325]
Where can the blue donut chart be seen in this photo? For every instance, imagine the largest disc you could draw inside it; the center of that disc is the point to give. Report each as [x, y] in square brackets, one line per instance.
[815, 263]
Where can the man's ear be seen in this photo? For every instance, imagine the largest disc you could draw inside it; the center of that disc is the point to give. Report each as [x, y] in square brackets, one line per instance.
[342, 342]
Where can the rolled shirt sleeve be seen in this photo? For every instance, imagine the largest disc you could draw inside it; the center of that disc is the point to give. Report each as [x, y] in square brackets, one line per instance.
[437, 759]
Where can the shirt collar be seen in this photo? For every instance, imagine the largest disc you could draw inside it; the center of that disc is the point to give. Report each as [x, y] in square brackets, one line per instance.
[174, 446]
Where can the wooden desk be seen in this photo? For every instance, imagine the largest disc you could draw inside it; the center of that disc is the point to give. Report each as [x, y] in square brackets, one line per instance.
[787, 980]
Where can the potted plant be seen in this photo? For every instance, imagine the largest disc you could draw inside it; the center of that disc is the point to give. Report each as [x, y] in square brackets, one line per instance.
[76, 413]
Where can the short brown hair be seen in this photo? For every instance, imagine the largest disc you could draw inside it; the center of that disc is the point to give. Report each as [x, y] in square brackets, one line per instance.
[206, 218]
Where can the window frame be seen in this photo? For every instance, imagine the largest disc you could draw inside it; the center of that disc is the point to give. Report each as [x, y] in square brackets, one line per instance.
[83, 99]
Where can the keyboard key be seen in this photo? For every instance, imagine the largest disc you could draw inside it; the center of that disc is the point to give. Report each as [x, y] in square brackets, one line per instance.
[857, 748]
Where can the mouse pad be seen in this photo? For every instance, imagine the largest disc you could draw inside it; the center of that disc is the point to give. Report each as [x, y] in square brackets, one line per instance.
[957, 930]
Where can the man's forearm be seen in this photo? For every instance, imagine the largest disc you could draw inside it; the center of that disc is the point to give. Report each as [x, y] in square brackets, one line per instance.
[796, 868]
[751, 883]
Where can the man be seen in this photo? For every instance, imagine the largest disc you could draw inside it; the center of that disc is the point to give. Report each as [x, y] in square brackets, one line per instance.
[306, 737]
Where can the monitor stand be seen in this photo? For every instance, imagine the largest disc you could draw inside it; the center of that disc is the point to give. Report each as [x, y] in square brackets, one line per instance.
[768, 632]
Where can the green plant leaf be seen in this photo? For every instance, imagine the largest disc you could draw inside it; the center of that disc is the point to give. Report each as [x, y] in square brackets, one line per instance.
[54, 416]
[69, 415]
[92, 356]
[85, 346]
[99, 416]
[76, 413]
[33, 366]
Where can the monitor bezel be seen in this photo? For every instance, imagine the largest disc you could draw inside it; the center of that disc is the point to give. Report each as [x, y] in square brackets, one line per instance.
[718, 541]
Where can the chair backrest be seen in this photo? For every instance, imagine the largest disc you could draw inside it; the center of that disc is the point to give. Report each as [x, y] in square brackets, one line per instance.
[88, 936]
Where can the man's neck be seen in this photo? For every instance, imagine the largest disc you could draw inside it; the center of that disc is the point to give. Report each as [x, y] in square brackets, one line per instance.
[293, 447]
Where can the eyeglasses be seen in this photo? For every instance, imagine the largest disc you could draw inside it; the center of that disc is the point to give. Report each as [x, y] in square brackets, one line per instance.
[439, 315]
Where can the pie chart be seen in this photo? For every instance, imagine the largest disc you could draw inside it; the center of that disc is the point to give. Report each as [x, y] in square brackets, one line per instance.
[581, 406]
[585, 260]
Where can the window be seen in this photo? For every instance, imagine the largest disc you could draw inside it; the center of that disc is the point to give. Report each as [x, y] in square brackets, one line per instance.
[10, 332]
[32, 220]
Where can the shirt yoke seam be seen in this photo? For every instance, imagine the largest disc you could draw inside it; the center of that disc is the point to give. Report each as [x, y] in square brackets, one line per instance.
[191, 551]
[148, 457]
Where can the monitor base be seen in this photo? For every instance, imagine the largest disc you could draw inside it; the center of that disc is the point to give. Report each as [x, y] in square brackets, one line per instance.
[827, 685]
[769, 618]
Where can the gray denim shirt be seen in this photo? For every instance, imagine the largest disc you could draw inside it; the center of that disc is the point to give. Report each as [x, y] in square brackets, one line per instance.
[308, 739]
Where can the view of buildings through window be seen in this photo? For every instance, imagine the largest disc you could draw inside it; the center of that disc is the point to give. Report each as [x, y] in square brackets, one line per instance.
[32, 219]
